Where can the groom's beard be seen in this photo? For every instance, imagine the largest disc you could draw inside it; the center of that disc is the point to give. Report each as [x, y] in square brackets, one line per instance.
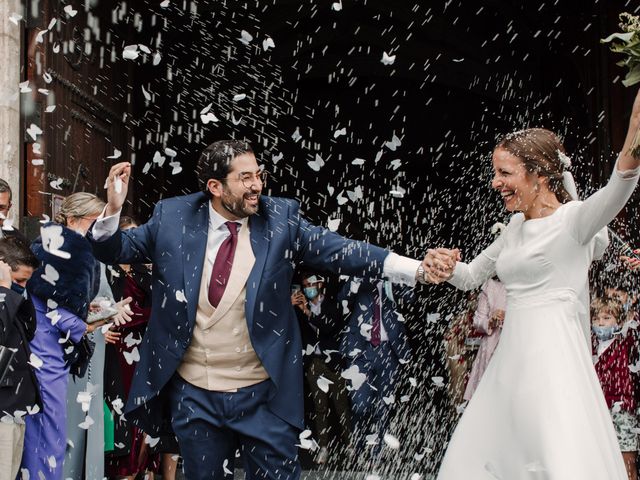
[236, 205]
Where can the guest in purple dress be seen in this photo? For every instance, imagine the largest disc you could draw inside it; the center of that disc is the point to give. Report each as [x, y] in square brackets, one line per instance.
[61, 290]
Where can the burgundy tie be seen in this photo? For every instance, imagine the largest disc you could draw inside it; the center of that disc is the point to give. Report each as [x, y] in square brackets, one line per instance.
[375, 331]
[222, 266]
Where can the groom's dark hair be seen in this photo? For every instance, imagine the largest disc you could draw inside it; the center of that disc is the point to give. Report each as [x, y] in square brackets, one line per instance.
[215, 160]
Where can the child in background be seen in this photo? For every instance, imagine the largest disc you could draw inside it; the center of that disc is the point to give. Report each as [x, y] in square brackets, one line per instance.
[614, 353]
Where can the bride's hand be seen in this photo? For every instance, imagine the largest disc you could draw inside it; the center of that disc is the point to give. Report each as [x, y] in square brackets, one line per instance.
[439, 264]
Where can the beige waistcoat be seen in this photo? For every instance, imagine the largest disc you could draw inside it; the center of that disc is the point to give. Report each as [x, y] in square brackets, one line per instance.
[221, 357]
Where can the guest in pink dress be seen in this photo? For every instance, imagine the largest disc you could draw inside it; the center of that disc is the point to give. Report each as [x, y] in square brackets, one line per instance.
[488, 321]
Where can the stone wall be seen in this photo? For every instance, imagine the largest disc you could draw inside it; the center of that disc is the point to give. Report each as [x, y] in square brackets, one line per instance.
[10, 102]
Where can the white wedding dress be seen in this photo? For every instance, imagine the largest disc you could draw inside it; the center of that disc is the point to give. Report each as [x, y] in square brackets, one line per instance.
[539, 412]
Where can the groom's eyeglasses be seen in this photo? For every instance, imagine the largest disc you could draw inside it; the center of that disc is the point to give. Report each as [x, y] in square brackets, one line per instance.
[249, 179]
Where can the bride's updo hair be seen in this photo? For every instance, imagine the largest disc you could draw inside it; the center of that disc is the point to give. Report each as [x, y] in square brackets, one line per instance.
[541, 152]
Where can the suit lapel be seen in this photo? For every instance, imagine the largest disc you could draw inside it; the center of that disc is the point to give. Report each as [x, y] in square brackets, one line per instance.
[260, 247]
[194, 246]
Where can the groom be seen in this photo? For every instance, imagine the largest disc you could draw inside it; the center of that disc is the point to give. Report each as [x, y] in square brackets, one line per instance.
[221, 363]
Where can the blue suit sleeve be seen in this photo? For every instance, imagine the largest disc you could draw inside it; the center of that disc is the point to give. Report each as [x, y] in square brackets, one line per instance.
[130, 246]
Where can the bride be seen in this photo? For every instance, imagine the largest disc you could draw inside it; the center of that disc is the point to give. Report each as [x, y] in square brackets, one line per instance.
[539, 411]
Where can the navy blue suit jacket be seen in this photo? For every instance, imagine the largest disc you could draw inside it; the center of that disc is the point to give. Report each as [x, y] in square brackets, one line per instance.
[175, 240]
[361, 306]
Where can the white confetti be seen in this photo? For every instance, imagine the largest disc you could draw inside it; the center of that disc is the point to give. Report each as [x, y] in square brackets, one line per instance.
[276, 158]
[15, 18]
[170, 152]
[391, 441]
[209, 117]
[33, 410]
[50, 274]
[339, 133]
[88, 421]
[412, 382]
[165, 3]
[353, 373]
[52, 241]
[130, 52]
[225, 468]
[117, 405]
[70, 11]
[387, 59]
[157, 58]
[245, 37]
[116, 154]
[333, 224]
[372, 439]
[50, 108]
[84, 399]
[296, 135]
[306, 442]
[180, 296]
[35, 361]
[52, 462]
[132, 357]
[316, 164]
[239, 97]
[158, 159]
[323, 383]
[358, 161]
[394, 143]
[336, 6]
[151, 441]
[146, 94]
[130, 340]
[268, 43]
[177, 167]
[438, 381]
[24, 87]
[34, 131]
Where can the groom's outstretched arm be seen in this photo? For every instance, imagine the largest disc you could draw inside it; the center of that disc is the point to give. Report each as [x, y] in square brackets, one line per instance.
[320, 248]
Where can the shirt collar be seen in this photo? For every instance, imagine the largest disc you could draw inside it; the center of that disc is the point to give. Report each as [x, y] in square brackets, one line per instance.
[216, 220]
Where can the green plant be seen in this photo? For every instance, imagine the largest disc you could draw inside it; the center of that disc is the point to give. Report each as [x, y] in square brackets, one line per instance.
[627, 43]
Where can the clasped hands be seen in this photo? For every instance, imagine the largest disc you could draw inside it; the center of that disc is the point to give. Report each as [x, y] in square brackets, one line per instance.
[439, 264]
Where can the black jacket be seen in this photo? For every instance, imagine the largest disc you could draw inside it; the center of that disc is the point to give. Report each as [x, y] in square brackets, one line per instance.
[19, 389]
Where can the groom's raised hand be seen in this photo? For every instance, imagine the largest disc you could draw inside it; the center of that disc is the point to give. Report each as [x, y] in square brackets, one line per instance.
[439, 264]
[117, 185]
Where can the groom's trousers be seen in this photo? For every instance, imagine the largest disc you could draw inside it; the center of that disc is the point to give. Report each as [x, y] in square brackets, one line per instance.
[211, 426]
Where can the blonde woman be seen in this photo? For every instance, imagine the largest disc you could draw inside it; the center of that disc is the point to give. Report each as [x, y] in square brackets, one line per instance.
[61, 290]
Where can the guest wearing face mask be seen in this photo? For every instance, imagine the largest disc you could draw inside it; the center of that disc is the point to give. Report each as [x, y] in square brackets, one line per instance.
[19, 392]
[615, 351]
[61, 290]
[321, 321]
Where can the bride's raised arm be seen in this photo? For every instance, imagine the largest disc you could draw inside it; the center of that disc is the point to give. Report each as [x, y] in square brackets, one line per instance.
[603, 206]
